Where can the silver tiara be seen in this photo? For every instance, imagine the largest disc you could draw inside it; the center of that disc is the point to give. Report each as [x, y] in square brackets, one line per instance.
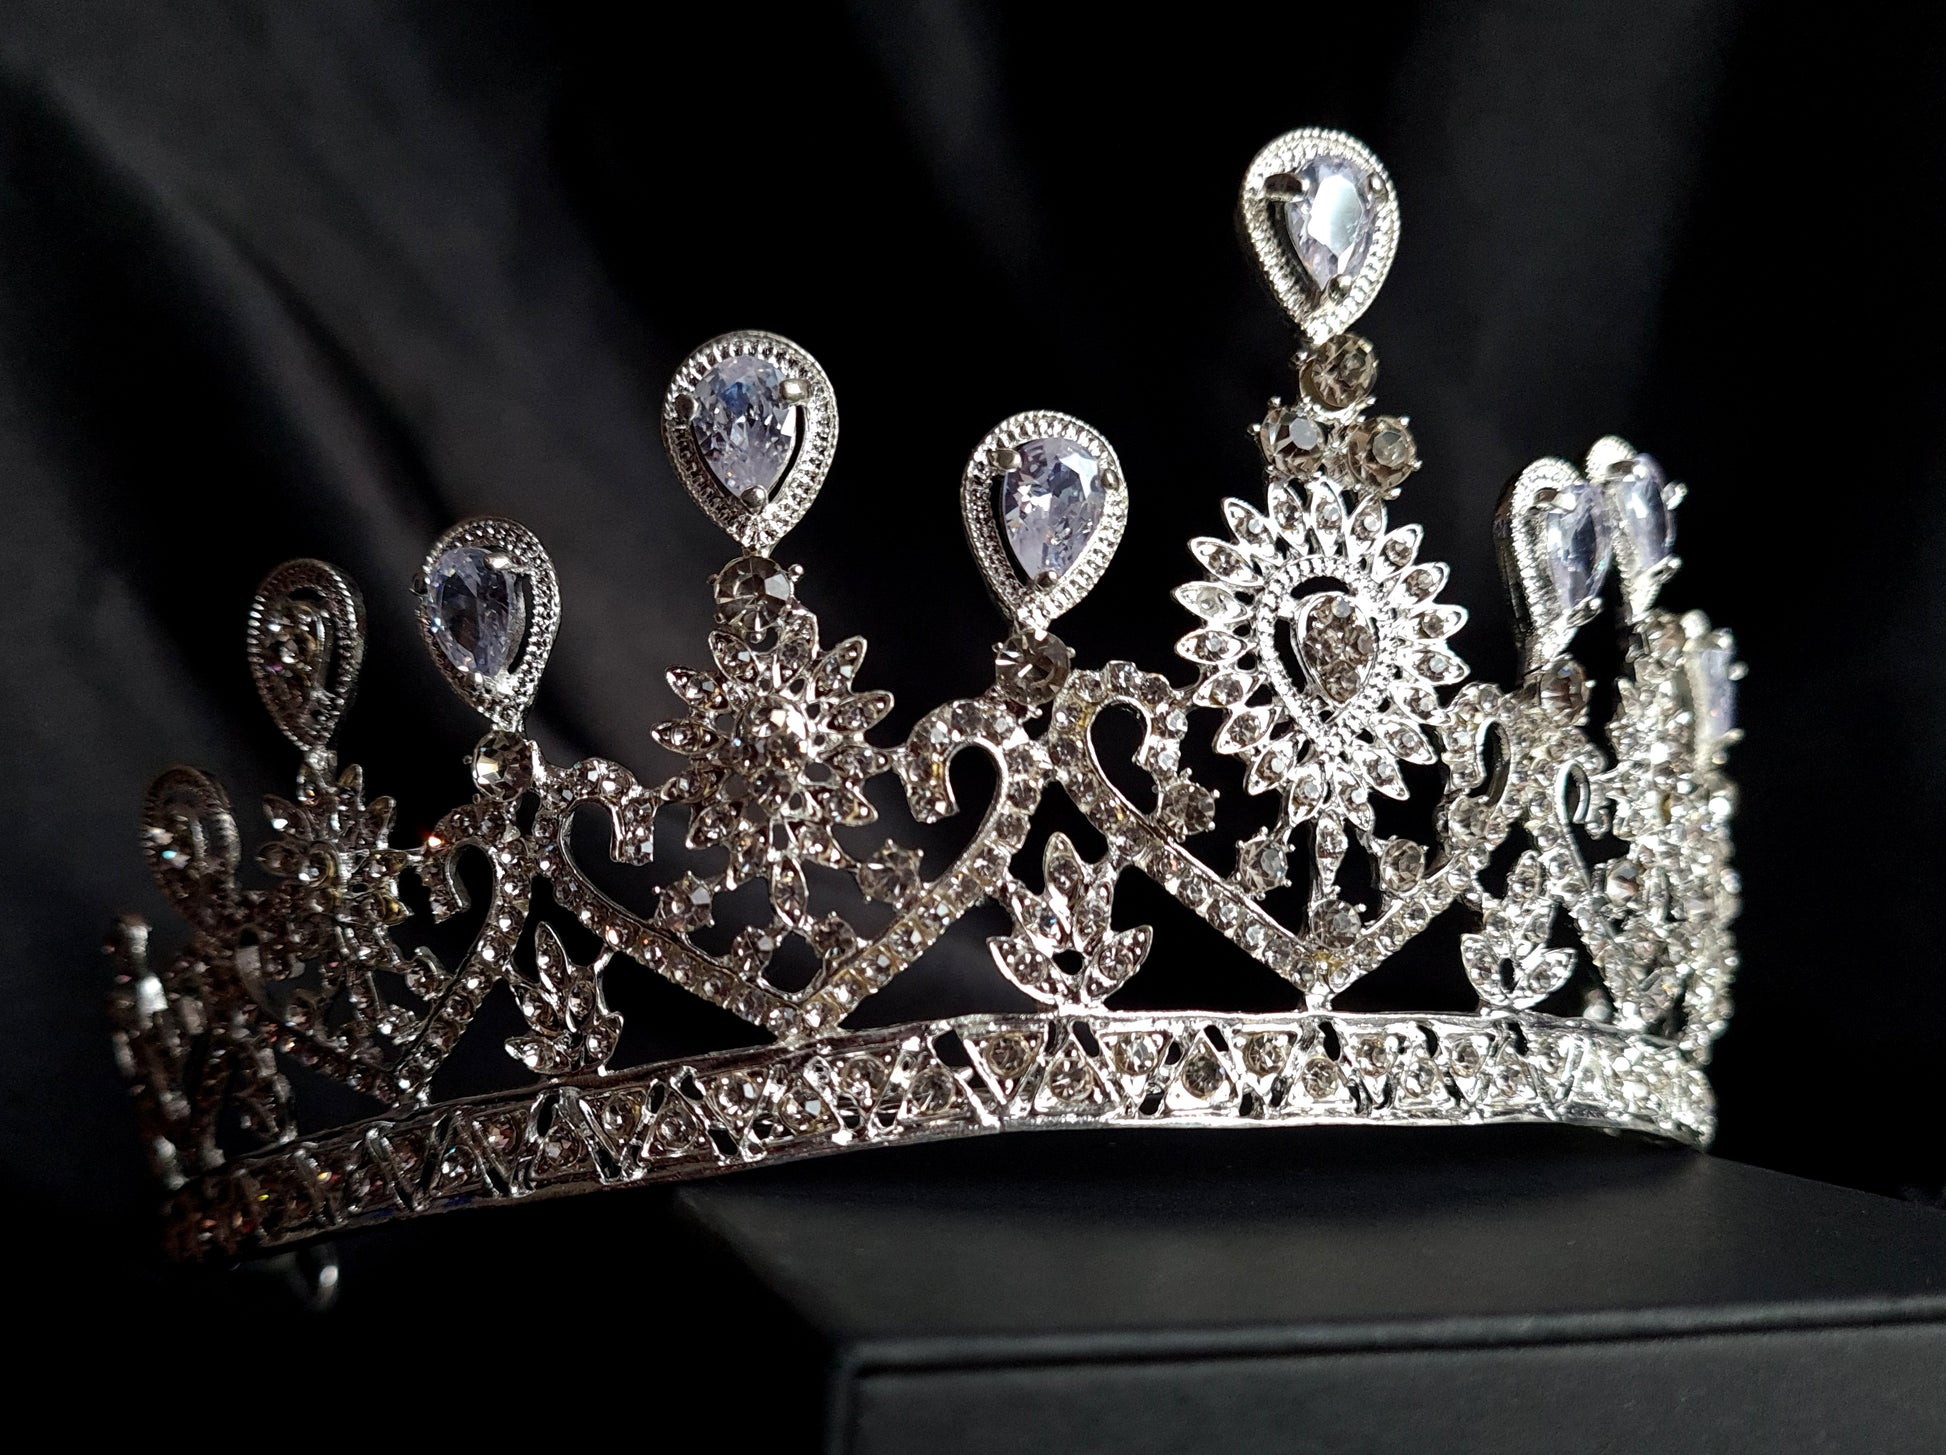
[1589, 868]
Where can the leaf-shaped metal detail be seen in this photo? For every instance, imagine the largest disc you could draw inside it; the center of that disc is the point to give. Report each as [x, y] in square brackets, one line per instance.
[306, 641]
[1072, 540]
[1071, 914]
[1368, 213]
[489, 608]
[1509, 961]
[570, 1023]
[750, 424]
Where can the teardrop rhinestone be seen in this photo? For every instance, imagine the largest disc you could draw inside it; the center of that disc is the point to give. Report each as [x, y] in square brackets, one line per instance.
[1644, 514]
[1051, 504]
[477, 613]
[744, 427]
[1329, 222]
[1575, 545]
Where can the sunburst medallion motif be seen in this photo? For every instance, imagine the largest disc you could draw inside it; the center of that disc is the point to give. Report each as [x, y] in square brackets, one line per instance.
[1324, 644]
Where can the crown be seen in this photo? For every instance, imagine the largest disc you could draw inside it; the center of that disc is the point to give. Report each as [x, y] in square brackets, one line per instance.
[1589, 866]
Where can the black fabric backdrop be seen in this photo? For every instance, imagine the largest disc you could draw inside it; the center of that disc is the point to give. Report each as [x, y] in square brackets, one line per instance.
[281, 280]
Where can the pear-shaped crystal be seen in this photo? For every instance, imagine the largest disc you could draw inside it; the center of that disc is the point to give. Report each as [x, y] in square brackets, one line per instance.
[1644, 515]
[744, 427]
[1574, 545]
[1051, 504]
[477, 611]
[1712, 693]
[1329, 221]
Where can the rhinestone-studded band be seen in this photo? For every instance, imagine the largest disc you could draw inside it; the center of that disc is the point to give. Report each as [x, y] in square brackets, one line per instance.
[943, 1080]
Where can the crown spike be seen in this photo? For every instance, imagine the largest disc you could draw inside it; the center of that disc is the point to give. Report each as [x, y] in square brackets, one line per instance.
[750, 424]
[306, 642]
[1044, 503]
[1322, 217]
[1555, 542]
[1641, 504]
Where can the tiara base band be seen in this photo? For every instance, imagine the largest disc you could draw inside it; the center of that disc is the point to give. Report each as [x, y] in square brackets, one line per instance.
[943, 1080]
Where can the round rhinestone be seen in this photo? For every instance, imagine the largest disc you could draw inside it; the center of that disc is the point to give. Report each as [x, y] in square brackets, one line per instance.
[1382, 452]
[1293, 442]
[751, 594]
[1341, 372]
[1032, 666]
[1203, 1075]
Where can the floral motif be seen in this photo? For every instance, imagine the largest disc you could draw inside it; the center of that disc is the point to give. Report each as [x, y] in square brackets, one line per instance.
[333, 865]
[1322, 585]
[334, 895]
[778, 760]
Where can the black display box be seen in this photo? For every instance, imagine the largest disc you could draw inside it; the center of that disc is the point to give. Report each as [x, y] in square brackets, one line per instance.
[1503, 1291]
[1438, 1292]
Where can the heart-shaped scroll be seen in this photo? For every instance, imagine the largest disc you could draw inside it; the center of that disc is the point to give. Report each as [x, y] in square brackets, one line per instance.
[1045, 505]
[306, 642]
[751, 424]
[1323, 220]
[1320, 960]
[489, 608]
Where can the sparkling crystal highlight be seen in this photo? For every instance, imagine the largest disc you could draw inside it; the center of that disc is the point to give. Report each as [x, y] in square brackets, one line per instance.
[1575, 545]
[477, 612]
[1051, 504]
[745, 430]
[1329, 222]
[1644, 516]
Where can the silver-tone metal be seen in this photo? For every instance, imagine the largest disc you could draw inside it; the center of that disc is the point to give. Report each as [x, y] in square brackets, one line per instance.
[1035, 604]
[306, 642]
[942, 1081]
[1601, 957]
[757, 526]
[1277, 163]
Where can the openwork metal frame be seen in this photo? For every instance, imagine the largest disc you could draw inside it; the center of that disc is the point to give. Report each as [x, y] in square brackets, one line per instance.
[1590, 865]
